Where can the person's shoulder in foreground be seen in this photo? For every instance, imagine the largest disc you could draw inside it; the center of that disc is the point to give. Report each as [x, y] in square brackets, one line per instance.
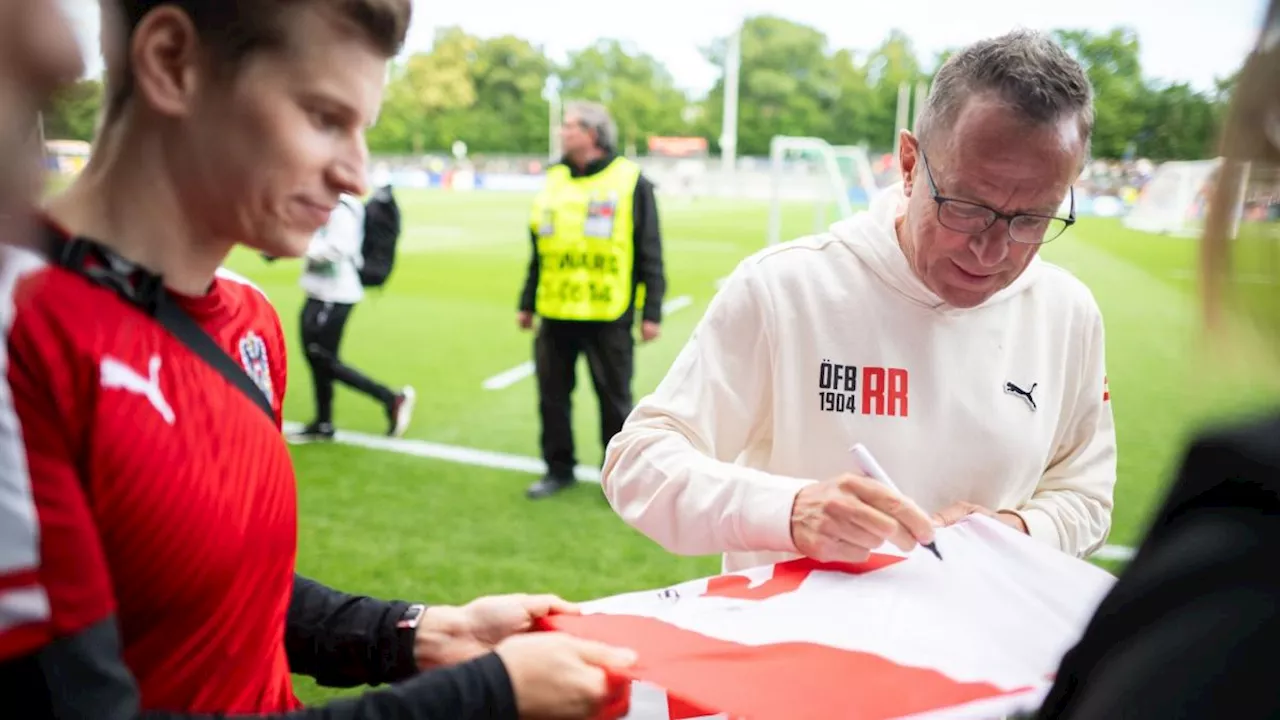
[1183, 631]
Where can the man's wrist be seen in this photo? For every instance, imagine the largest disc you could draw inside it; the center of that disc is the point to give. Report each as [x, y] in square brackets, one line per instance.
[436, 629]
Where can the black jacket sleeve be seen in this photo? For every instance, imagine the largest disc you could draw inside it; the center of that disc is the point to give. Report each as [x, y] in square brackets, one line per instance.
[82, 677]
[344, 640]
[529, 293]
[1187, 628]
[648, 250]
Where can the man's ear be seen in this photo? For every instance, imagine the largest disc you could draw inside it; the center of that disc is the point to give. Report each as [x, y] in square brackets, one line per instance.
[908, 155]
[165, 60]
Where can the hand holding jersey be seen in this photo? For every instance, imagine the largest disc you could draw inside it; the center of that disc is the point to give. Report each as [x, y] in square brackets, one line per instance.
[553, 675]
[557, 676]
[450, 634]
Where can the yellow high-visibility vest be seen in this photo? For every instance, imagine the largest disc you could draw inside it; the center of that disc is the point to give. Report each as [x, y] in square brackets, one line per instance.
[584, 228]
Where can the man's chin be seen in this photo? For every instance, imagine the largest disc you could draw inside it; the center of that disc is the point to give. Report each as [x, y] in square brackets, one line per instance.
[292, 245]
[965, 297]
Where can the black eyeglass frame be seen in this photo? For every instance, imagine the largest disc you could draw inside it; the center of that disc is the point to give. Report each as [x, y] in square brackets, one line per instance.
[995, 215]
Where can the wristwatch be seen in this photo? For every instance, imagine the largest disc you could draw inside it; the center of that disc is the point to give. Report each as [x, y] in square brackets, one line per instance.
[411, 617]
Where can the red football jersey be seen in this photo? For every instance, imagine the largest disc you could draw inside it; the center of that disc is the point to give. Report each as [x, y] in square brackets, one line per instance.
[151, 488]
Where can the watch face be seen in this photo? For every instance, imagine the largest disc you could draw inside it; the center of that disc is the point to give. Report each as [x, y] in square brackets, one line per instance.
[411, 617]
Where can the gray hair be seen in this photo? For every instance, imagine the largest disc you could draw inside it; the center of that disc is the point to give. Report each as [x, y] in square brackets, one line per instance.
[595, 118]
[1030, 72]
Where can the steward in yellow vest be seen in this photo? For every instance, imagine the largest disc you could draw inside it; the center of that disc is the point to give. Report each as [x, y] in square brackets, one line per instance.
[596, 257]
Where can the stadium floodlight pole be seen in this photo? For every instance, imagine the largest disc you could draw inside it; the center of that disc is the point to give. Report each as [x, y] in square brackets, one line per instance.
[922, 97]
[729, 121]
[777, 149]
[554, 116]
[904, 109]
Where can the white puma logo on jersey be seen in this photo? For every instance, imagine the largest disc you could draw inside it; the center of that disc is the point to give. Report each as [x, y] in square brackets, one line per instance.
[116, 375]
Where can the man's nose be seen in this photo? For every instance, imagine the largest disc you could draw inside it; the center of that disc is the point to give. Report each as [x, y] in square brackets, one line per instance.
[991, 247]
[348, 172]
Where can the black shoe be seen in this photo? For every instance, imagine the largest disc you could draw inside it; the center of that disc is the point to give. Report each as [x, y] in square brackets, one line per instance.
[400, 412]
[549, 485]
[315, 432]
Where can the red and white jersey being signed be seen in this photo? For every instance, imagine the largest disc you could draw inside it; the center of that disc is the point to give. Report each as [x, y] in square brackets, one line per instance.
[977, 634]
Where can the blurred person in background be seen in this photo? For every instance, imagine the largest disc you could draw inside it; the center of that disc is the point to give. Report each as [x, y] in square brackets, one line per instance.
[926, 328]
[332, 280]
[595, 241]
[149, 527]
[1190, 628]
[38, 56]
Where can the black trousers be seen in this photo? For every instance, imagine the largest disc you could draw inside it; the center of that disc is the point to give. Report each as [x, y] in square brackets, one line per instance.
[610, 351]
[322, 326]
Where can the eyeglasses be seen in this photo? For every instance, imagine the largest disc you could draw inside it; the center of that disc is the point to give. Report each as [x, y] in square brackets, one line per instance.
[973, 218]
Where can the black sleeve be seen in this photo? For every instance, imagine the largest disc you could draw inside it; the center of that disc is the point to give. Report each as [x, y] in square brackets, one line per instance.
[1187, 628]
[81, 677]
[346, 640]
[529, 293]
[648, 250]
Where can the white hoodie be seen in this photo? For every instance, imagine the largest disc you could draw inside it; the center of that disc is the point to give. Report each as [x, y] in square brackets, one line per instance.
[780, 378]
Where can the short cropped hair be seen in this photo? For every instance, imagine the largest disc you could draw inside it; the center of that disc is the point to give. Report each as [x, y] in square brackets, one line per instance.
[235, 29]
[1028, 70]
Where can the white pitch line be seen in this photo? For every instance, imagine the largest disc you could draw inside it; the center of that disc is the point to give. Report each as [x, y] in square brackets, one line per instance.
[450, 453]
[531, 465]
[507, 378]
[676, 304]
[1114, 552]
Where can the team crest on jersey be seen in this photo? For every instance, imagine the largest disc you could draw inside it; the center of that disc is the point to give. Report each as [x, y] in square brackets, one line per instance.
[862, 389]
[253, 356]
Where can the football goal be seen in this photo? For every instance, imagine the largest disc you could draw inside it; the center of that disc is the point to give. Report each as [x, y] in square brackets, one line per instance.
[811, 170]
[1173, 202]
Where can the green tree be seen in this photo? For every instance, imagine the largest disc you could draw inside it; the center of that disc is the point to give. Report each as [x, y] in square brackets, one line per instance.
[787, 84]
[1177, 123]
[889, 65]
[640, 93]
[510, 114]
[73, 115]
[1111, 61]
[425, 92]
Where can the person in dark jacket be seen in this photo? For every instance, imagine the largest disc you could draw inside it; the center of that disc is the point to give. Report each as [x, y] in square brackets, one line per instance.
[596, 259]
[1190, 628]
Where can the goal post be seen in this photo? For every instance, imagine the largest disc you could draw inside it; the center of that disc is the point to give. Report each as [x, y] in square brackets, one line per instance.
[1173, 202]
[820, 180]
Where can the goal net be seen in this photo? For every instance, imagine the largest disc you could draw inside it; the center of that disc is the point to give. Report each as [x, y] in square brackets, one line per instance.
[1174, 200]
[807, 170]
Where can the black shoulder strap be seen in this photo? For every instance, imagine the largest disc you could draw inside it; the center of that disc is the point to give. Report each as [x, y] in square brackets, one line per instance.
[145, 291]
[170, 314]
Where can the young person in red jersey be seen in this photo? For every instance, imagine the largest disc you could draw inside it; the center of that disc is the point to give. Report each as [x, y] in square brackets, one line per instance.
[153, 499]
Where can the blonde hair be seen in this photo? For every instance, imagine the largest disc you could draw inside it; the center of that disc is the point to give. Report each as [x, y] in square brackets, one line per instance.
[1250, 149]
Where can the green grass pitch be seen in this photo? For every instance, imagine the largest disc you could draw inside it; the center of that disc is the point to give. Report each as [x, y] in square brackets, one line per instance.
[399, 526]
